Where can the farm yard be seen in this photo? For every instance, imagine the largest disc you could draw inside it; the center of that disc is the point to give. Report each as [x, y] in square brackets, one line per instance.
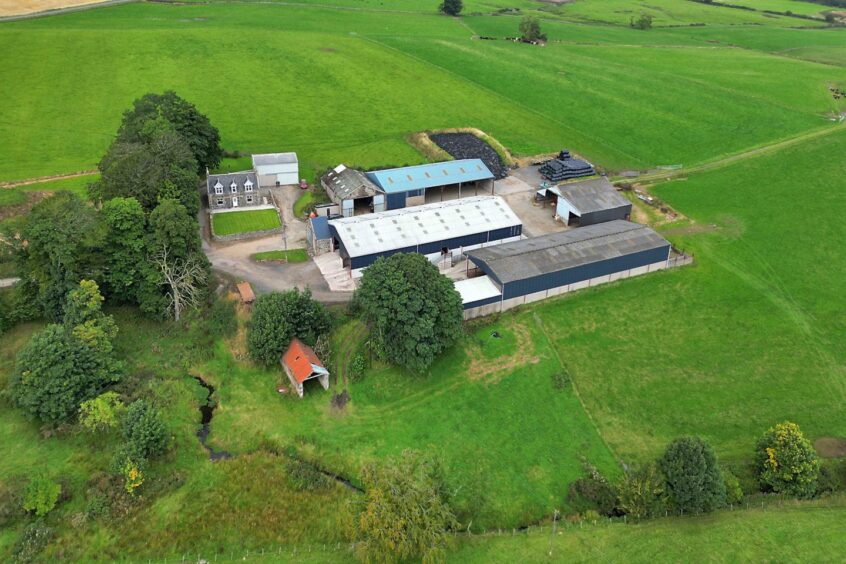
[748, 336]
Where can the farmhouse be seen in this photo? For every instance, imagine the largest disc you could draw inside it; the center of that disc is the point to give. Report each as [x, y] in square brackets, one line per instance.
[589, 202]
[353, 191]
[234, 190]
[438, 230]
[301, 364]
[533, 269]
[276, 169]
[435, 182]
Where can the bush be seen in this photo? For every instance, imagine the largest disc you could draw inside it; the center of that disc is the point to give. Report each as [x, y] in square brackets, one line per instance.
[101, 413]
[144, 431]
[734, 491]
[31, 542]
[278, 317]
[11, 502]
[694, 482]
[560, 381]
[356, 368]
[41, 495]
[832, 476]
[222, 319]
[643, 493]
[786, 461]
[592, 492]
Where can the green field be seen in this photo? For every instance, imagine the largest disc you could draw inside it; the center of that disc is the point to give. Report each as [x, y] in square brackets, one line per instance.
[750, 335]
[232, 223]
[291, 255]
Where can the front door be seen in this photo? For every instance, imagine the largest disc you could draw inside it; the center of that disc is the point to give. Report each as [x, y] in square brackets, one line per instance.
[234, 202]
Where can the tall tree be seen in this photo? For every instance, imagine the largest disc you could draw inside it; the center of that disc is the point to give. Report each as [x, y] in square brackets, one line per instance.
[530, 29]
[787, 462]
[65, 365]
[414, 310]
[58, 246]
[154, 168]
[123, 248]
[451, 7]
[280, 316]
[195, 128]
[406, 511]
[694, 481]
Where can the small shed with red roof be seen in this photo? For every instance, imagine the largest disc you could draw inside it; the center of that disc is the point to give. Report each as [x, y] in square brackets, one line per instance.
[301, 364]
[246, 292]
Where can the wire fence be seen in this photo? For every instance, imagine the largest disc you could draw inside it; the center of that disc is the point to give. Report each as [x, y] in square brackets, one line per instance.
[317, 552]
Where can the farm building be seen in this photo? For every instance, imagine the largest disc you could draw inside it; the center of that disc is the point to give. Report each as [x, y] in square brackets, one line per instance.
[234, 190]
[437, 230]
[301, 364]
[533, 269]
[276, 169]
[435, 182]
[319, 235]
[352, 191]
[589, 202]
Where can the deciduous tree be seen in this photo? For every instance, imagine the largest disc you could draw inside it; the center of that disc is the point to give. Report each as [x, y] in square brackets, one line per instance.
[280, 316]
[406, 512]
[530, 29]
[451, 7]
[123, 248]
[414, 310]
[101, 413]
[787, 462]
[144, 429]
[643, 493]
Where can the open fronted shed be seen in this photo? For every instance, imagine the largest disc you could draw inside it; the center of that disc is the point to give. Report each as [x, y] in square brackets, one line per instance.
[589, 202]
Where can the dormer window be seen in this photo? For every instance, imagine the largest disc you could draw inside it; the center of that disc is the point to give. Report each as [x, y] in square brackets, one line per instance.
[234, 187]
[218, 188]
[248, 186]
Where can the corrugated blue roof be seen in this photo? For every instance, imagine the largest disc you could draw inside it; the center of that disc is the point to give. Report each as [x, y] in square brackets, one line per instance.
[407, 178]
[320, 225]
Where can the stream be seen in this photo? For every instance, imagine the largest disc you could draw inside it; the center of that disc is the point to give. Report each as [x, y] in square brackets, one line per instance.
[207, 412]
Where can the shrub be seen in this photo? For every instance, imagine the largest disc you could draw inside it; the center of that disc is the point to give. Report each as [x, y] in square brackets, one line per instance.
[592, 492]
[560, 380]
[31, 542]
[786, 461]
[280, 316]
[734, 491]
[101, 413]
[41, 495]
[832, 476]
[222, 319]
[591, 516]
[11, 502]
[144, 431]
[694, 482]
[406, 513]
[356, 368]
[643, 493]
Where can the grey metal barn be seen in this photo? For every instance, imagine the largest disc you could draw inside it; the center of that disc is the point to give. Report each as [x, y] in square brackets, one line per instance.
[541, 267]
[590, 202]
[438, 230]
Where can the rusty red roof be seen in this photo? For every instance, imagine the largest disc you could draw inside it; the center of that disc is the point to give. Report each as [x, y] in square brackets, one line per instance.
[301, 361]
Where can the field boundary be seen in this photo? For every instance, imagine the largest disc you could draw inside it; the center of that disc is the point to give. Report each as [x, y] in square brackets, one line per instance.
[67, 10]
[50, 178]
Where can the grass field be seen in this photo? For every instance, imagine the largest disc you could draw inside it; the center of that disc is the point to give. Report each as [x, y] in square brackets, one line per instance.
[707, 100]
[231, 223]
[748, 336]
[291, 255]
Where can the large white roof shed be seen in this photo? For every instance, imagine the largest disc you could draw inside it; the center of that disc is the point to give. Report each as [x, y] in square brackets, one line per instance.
[431, 228]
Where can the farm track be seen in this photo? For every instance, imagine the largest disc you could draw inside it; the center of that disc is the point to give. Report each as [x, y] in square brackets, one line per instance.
[40, 179]
[744, 155]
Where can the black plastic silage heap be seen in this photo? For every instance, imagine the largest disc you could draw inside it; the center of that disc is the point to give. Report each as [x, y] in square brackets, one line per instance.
[565, 167]
[468, 146]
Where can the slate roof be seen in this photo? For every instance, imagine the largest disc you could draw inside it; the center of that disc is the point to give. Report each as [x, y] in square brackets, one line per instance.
[240, 178]
[345, 183]
[591, 195]
[320, 226]
[568, 249]
[301, 361]
[380, 232]
[274, 158]
[407, 178]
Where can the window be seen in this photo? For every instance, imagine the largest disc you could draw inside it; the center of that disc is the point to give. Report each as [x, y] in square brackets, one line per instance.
[218, 188]
[248, 186]
[220, 201]
[249, 199]
[234, 187]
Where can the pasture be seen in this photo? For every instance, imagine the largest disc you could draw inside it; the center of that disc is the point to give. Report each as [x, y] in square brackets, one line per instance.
[748, 336]
[232, 223]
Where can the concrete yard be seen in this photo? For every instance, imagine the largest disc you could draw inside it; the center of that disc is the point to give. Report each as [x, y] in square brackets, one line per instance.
[520, 196]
